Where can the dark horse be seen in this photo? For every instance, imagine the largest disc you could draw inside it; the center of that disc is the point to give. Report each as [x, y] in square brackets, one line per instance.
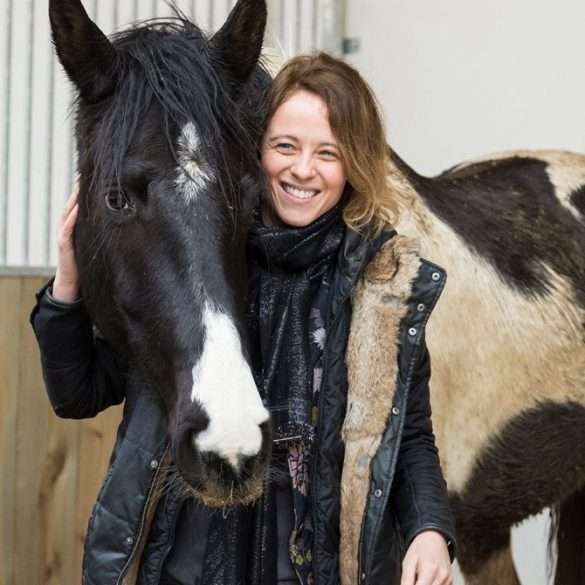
[168, 165]
[167, 135]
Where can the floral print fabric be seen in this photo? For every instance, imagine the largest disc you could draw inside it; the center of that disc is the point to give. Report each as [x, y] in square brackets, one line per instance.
[299, 453]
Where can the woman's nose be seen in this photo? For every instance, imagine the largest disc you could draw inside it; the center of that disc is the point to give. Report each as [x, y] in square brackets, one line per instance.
[303, 167]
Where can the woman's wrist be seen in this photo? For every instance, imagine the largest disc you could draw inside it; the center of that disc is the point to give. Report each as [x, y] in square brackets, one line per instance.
[64, 292]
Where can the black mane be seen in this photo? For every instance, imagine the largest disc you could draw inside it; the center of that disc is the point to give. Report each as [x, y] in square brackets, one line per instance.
[170, 62]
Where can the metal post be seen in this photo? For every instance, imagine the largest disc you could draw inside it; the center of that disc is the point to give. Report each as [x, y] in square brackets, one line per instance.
[331, 22]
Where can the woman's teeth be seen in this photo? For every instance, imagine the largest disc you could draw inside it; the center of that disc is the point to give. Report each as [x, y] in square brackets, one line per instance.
[300, 193]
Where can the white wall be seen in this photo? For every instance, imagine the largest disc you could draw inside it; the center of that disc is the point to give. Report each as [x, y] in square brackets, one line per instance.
[461, 78]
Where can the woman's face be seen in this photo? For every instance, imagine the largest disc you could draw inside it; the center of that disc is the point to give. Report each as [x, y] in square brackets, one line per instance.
[302, 160]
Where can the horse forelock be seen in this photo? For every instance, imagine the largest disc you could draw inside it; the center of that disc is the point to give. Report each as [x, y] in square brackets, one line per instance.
[169, 64]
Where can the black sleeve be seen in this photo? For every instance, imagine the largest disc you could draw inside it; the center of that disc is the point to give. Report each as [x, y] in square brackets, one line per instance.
[419, 491]
[82, 373]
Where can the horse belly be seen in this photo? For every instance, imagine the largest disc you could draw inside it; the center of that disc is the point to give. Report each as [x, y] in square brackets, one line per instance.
[497, 354]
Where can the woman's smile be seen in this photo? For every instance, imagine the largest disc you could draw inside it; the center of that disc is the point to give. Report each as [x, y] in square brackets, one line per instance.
[303, 194]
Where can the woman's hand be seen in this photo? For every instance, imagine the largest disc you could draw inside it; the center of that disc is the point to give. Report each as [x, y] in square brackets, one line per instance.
[427, 561]
[66, 285]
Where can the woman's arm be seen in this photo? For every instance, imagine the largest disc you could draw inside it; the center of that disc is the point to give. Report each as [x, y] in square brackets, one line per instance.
[82, 374]
[420, 493]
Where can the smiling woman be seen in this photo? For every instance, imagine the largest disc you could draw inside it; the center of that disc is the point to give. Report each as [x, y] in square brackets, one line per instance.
[329, 276]
[324, 128]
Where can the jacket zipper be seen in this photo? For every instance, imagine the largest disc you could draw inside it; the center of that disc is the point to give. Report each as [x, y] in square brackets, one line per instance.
[361, 572]
[145, 511]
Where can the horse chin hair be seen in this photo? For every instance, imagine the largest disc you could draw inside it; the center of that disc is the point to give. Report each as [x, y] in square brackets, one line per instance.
[223, 498]
[213, 495]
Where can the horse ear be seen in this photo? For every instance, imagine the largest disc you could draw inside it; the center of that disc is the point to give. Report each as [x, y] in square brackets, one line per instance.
[88, 57]
[239, 41]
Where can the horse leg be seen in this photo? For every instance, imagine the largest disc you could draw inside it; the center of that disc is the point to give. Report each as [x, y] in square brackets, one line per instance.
[570, 539]
[484, 551]
[534, 462]
[496, 570]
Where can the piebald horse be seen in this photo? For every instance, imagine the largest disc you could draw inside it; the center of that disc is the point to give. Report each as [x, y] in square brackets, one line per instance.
[507, 347]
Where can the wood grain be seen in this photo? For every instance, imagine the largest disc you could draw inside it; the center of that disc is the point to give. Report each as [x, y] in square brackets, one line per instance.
[52, 468]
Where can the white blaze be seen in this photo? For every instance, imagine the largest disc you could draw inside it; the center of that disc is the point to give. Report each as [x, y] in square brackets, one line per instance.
[223, 385]
[193, 175]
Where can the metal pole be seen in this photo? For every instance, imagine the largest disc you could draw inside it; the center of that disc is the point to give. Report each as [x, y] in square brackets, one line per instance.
[331, 22]
[6, 137]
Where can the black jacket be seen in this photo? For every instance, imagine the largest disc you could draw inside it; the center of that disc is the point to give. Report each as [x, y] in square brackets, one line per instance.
[406, 493]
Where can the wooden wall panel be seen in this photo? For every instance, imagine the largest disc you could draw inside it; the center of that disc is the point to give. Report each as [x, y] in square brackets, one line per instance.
[51, 468]
[9, 352]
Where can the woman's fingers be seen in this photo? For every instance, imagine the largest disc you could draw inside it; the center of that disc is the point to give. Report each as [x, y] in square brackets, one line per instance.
[71, 219]
[443, 578]
[66, 284]
[408, 573]
[71, 200]
[426, 574]
[65, 236]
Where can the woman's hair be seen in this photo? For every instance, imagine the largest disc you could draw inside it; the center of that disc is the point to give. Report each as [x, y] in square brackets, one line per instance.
[357, 125]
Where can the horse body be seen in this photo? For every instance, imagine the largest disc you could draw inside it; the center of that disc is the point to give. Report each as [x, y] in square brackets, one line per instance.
[506, 340]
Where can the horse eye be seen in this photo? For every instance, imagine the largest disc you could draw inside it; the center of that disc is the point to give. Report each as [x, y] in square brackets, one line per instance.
[118, 201]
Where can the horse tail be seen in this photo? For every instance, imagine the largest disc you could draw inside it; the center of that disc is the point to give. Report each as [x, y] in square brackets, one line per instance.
[568, 533]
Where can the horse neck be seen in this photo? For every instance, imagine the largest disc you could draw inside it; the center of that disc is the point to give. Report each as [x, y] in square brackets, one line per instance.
[416, 219]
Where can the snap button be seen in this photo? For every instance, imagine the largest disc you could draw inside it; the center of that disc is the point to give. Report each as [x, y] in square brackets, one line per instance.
[378, 493]
[363, 576]
[435, 276]
[153, 464]
[395, 410]
[129, 540]
[420, 307]
[412, 331]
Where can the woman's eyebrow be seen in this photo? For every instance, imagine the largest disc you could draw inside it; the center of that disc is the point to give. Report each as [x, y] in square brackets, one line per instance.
[282, 136]
[295, 139]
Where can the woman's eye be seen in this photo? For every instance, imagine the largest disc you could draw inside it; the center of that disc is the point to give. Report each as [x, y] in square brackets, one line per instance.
[285, 147]
[118, 201]
[328, 154]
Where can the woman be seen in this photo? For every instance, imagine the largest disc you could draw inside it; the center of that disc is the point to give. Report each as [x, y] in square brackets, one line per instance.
[361, 481]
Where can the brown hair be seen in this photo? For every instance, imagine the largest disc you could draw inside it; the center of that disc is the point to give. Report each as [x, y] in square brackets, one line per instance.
[357, 125]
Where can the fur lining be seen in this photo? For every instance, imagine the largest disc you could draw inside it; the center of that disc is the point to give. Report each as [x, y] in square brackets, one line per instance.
[379, 304]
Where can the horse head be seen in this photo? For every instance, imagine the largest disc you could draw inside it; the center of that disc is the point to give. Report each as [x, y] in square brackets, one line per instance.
[167, 125]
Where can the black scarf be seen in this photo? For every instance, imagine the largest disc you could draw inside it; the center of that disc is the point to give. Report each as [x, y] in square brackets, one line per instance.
[287, 266]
